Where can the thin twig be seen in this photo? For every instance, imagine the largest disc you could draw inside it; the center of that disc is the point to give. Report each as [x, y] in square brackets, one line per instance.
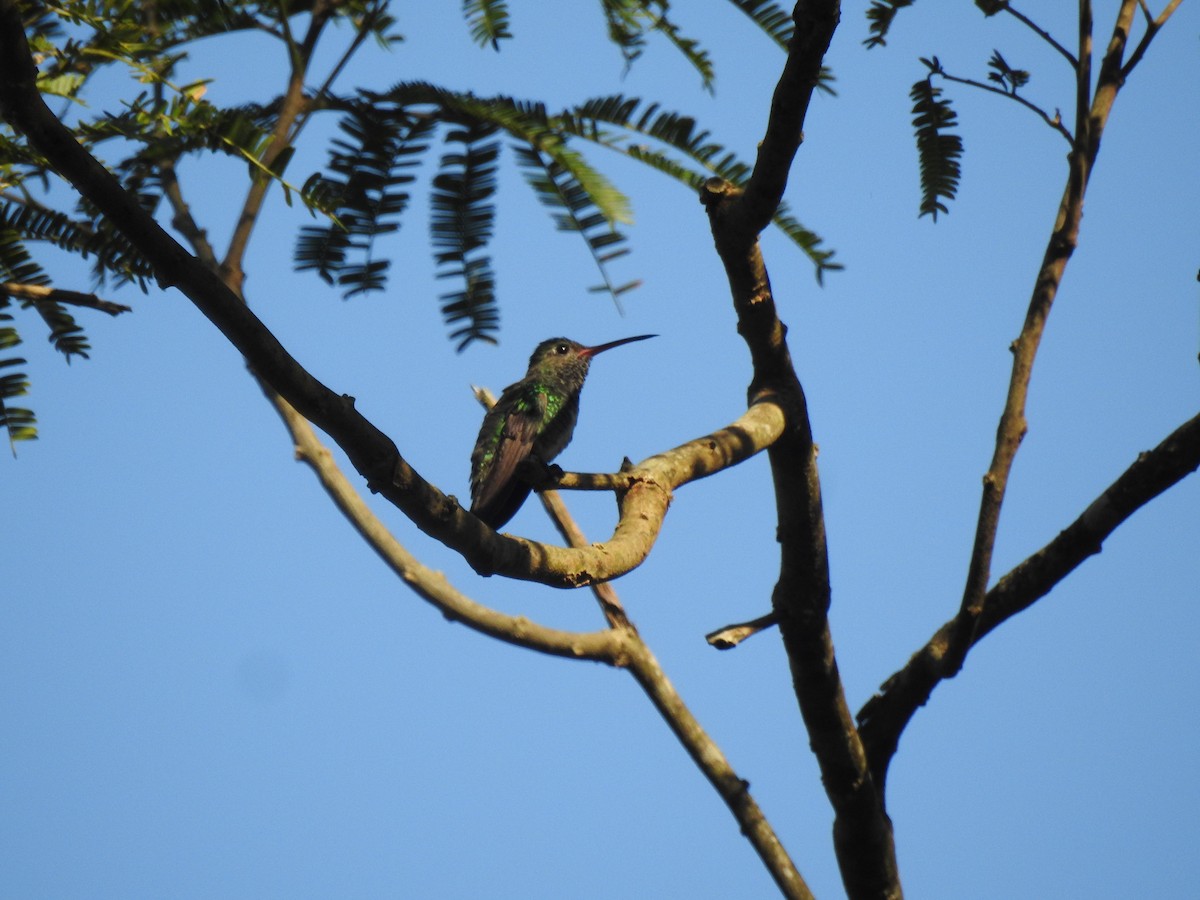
[731, 635]
[38, 293]
[1153, 24]
[431, 585]
[1054, 121]
[294, 102]
[734, 790]
[1042, 33]
[360, 35]
[182, 220]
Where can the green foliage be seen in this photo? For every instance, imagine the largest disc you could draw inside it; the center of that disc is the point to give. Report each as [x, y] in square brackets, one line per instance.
[461, 224]
[776, 22]
[18, 422]
[1007, 77]
[880, 16]
[382, 141]
[560, 189]
[358, 182]
[22, 222]
[629, 21]
[15, 262]
[65, 333]
[679, 134]
[488, 21]
[938, 149]
[364, 188]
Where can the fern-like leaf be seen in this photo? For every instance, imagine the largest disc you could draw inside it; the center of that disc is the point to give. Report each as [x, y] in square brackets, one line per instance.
[629, 21]
[808, 241]
[680, 134]
[364, 190]
[880, 16]
[114, 254]
[66, 334]
[770, 17]
[461, 224]
[18, 422]
[938, 149]
[488, 21]
[15, 262]
[575, 209]
[1004, 75]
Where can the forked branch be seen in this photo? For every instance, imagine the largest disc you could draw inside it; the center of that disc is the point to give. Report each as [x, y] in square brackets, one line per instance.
[884, 717]
[1091, 116]
[862, 830]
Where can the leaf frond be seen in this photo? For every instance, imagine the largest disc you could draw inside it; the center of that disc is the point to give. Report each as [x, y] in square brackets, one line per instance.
[114, 254]
[1003, 74]
[678, 133]
[775, 21]
[66, 334]
[462, 219]
[488, 21]
[629, 21]
[575, 209]
[938, 149]
[880, 17]
[363, 187]
[18, 422]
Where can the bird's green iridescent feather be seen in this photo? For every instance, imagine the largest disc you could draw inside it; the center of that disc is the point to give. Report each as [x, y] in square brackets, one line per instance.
[554, 404]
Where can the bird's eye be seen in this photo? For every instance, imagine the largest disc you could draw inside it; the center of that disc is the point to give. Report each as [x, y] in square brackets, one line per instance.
[561, 349]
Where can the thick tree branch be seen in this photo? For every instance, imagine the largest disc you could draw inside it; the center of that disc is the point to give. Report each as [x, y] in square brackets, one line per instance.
[884, 717]
[815, 21]
[862, 831]
[600, 646]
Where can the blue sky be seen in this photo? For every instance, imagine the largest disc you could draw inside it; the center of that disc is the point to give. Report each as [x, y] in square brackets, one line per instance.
[211, 687]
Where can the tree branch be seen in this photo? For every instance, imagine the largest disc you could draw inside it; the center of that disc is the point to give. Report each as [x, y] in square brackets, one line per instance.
[730, 636]
[862, 831]
[294, 103]
[658, 688]
[38, 293]
[884, 717]
[1042, 33]
[433, 586]
[815, 21]
[708, 756]
[1091, 115]
[1153, 24]
[1054, 121]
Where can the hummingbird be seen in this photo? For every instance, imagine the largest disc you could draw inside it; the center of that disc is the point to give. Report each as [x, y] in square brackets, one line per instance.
[532, 421]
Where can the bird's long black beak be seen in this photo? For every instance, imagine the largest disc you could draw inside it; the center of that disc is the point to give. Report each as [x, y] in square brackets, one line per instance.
[588, 352]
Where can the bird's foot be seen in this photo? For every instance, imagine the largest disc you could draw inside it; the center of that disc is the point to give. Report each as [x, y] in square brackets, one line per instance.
[539, 475]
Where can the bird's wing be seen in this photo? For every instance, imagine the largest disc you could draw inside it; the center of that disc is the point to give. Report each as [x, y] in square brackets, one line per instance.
[497, 482]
